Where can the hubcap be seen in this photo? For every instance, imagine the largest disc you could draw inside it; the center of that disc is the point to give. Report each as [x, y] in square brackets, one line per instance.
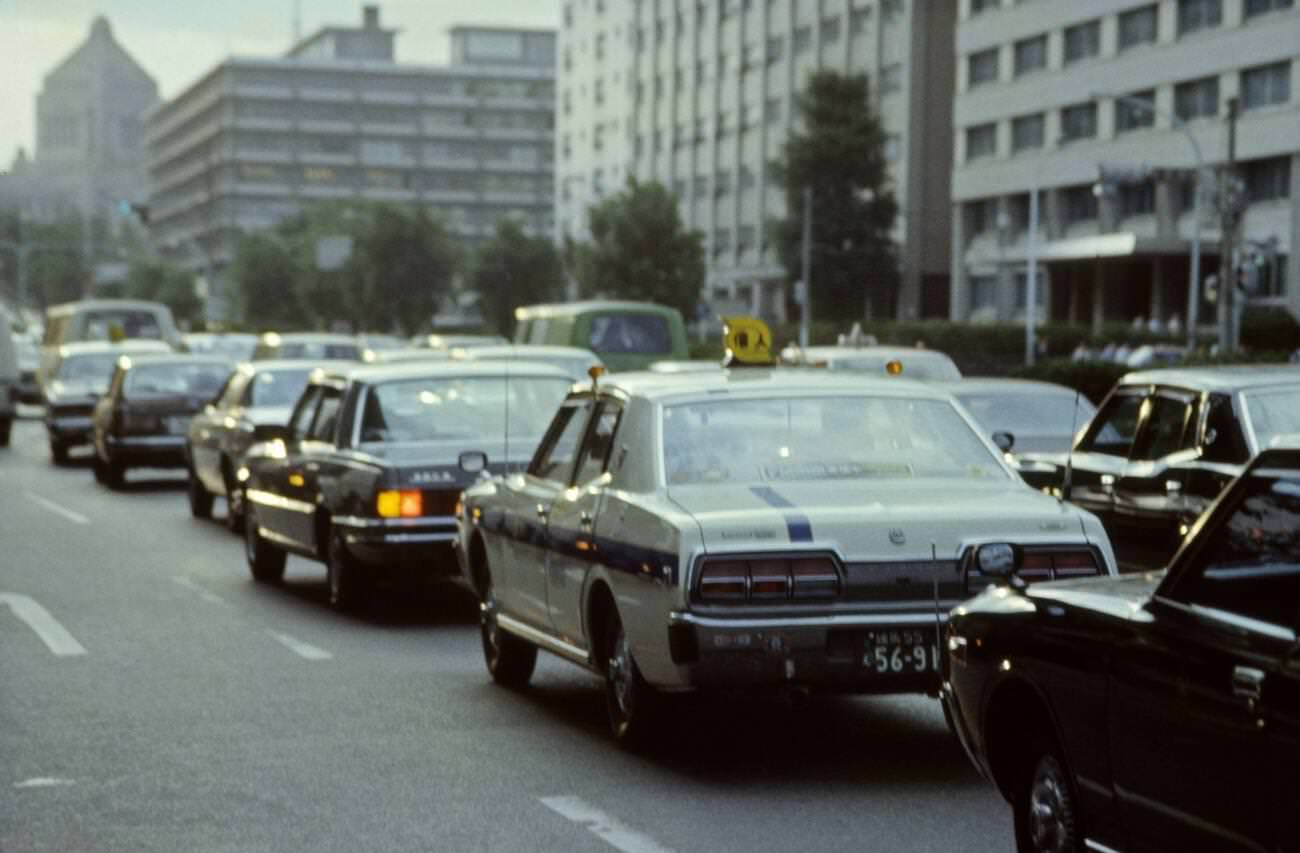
[250, 537]
[620, 672]
[1050, 821]
[332, 570]
[488, 619]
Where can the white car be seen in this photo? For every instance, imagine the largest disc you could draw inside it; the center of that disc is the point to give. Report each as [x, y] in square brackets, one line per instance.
[908, 362]
[753, 527]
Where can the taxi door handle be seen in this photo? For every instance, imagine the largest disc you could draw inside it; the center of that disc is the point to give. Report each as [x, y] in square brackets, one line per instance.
[1107, 482]
[542, 511]
[1248, 684]
[585, 519]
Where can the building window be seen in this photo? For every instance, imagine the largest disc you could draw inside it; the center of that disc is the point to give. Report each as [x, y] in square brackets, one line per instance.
[701, 185]
[1031, 55]
[1267, 180]
[1263, 7]
[830, 30]
[1079, 204]
[1197, 98]
[1194, 15]
[977, 6]
[775, 49]
[773, 110]
[1079, 122]
[1138, 27]
[981, 141]
[1266, 85]
[1136, 111]
[983, 293]
[983, 67]
[858, 19]
[1137, 199]
[746, 178]
[1082, 41]
[983, 216]
[891, 78]
[802, 39]
[1027, 132]
[721, 184]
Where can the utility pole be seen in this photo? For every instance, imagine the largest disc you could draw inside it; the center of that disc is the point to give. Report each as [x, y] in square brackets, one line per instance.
[805, 310]
[1228, 203]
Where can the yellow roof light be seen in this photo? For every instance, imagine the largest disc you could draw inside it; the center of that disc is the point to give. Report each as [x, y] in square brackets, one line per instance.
[748, 342]
[894, 367]
[595, 372]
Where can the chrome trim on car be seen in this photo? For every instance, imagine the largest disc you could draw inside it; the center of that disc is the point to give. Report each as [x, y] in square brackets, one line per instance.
[857, 620]
[264, 498]
[541, 638]
[420, 521]
[167, 442]
[279, 538]
[1098, 846]
[418, 538]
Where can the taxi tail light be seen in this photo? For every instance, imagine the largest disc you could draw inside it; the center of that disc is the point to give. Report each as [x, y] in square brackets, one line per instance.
[1075, 564]
[404, 503]
[1036, 566]
[1045, 564]
[769, 579]
[814, 578]
[724, 580]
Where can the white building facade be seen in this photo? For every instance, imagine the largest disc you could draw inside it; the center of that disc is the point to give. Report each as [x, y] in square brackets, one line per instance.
[700, 96]
[1101, 106]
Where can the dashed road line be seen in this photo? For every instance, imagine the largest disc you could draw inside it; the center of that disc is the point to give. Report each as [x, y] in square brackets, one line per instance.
[298, 647]
[209, 597]
[75, 517]
[54, 635]
[613, 832]
[44, 782]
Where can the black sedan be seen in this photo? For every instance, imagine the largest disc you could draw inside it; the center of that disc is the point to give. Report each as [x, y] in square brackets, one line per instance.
[143, 419]
[368, 472]
[257, 395]
[1148, 712]
[1163, 446]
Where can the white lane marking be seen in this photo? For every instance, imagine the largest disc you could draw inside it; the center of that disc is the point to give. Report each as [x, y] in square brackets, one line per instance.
[46, 626]
[58, 510]
[44, 782]
[618, 835]
[298, 647]
[209, 597]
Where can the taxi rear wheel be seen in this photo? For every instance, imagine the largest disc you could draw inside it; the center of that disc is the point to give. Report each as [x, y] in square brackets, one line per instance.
[200, 498]
[347, 588]
[631, 702]
[58, 452]
[1044, 806]
[265, 561]
[510, 660]
[234, 501]
[5, 427]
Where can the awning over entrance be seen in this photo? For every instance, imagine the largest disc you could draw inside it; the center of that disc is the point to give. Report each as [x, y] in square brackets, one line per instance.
[1123, 244]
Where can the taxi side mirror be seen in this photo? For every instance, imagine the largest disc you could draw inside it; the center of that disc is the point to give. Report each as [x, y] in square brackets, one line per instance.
[473, 461]
[1004, 441]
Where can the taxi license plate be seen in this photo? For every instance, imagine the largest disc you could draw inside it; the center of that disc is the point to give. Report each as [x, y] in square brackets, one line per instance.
[900, 652]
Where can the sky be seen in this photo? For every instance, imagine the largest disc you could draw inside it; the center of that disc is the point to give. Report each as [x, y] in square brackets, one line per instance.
[177, 41]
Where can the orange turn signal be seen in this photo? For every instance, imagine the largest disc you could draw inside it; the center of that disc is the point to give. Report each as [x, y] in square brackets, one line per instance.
[407, 503]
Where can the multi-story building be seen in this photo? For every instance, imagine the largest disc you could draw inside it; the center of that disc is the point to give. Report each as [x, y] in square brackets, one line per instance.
[1101, 107]
[700, 96]
[258, 140]
[90, 151]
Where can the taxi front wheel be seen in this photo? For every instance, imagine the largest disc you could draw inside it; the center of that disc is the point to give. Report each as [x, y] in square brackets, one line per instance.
[265, 561]
[1044, 805]
[510, 660]
[632, 703]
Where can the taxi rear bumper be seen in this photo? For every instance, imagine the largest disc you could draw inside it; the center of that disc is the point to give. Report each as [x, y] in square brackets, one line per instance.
[830, 652]
[414, 547]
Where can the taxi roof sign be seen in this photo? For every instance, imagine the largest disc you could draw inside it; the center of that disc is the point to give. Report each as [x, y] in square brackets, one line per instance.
[748, 342]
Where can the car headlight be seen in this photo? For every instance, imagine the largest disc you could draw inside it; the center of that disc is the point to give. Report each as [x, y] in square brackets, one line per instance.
[997, 559]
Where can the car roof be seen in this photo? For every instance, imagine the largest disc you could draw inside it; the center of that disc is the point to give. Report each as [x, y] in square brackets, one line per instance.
[762, 381]
[830, 353]
[1233, 378]
[177, 358]
[986, 384]
[268, 364]
[134, 345]
[87, 304]
[273, 338]
[522, 351]
[374, 373]
[565, 309]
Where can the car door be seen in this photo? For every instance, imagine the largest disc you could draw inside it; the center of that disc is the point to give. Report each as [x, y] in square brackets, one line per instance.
[276, 510]
[573, 522]
[1148, 496]
[313, 454]
[208, 432]
[1098, 460]
[526, 501]
[1198, 693]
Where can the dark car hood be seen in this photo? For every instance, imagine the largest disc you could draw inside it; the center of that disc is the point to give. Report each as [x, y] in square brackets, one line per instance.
[1122, 597]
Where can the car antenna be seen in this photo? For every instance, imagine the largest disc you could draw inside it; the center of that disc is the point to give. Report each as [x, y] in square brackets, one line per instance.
[1069, 454]
[505, 456]
[938, 630]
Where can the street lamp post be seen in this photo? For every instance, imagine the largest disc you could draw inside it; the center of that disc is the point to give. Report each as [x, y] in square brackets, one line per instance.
[1194, 275]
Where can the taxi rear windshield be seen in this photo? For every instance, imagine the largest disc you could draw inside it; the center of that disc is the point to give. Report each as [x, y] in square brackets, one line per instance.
[107, 325]
[644, 334]
[317, 349]
[821, 438]
[198, 380]
[455, 409]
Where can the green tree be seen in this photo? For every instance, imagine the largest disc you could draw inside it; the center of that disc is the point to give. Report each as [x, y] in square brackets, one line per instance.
[640, 249]
[513, 269]
[402, 264]
[840, 155]
[170, 285]
[266, 275]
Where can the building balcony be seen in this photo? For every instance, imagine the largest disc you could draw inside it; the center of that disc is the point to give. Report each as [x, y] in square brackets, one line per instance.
[250, 123]
[449, 196]
[326, 126]
[389, 194]
[400, 99]
[322, 191]
[386, 129]
[327, 96]
[320, 158]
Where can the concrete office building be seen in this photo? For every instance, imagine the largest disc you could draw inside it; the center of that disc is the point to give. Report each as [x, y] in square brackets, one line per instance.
[258, 140]
[90, 152]
[700, 96]
[1052, 92]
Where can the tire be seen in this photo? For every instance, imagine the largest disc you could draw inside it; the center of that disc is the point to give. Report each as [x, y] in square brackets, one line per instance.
[265, 561]
[6, 426]
[632, 704]
[97, 468]
[58, 452]
[114, 474]
[510, 660]
[200, 498]
[1045, 807]
[235, 501]
[348, 591]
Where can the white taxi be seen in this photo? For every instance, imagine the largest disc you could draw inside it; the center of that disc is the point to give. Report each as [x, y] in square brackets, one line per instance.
[753, 528]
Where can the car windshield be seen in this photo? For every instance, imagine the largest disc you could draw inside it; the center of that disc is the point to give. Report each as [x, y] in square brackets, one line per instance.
[94, 367]
[107, 325]
[457, 408]
[200, 380]
[631, 333]
[821, 438]
[238, 348]
[277, 387]
[1274, 412]
[317, 350]
[1028, 412]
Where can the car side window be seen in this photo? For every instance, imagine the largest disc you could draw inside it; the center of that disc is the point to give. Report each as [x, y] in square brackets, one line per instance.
[594, 458]
[1251, 567]
[300, 423]
[1169, 426]
[1115, 426]
[1223, 438]
[327, 416]
[559, 449]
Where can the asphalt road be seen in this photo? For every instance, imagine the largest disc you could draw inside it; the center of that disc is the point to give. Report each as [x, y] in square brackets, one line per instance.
[153, 698]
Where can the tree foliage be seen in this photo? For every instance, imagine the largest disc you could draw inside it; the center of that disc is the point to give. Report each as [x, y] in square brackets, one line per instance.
[840, 155]
[513, 269]
[267, 275]
[174, 287]
[640, 249]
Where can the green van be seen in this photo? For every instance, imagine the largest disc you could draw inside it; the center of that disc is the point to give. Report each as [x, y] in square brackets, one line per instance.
[626, 335]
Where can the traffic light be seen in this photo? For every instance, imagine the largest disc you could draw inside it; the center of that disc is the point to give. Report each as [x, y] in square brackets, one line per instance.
[126, 207]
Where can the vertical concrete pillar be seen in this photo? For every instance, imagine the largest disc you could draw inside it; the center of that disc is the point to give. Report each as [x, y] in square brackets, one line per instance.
[1075, 310]
[1098, 298]
[1166, 207]
[1006, 279]
[1157, 309]
[959, 284]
